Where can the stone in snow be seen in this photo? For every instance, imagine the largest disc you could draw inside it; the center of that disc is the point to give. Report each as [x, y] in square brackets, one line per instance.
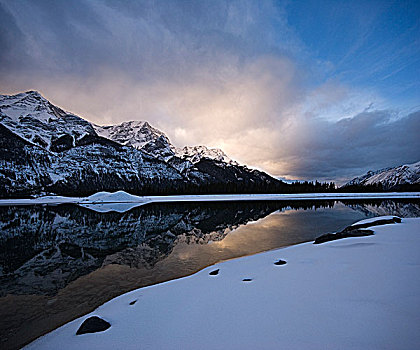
[280, 262]
[93, 324]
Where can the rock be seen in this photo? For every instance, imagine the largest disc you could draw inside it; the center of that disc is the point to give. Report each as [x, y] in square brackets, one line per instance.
[214, 272]
[377, 222]
[356, 230]
[247, 280]
[343, 234]
[93, 324]
[133, 302]
[280, 262]
[61, 143]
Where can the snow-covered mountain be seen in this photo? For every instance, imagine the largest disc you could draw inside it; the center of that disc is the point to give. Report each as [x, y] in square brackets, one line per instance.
[36, 120]
[389, 178]
[141, 135]
[196, 153]
[133, 133]
[44, 149]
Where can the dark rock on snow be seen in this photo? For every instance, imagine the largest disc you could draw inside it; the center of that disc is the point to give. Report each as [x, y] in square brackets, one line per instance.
[133, 302]
[93, 324]
[378, 222]
[280, 262]
[214, 272]
[356, 230]
[343, 234]
[247, 280]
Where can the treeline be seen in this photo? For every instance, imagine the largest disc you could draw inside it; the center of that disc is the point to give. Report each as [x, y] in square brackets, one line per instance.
[87, 184]
[378, 187]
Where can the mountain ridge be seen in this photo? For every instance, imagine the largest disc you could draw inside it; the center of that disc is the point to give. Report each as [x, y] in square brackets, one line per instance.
[389, 178]
[141, 135]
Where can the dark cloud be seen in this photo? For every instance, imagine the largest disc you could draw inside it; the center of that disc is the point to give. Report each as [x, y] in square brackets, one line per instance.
[367, 141]
[11, 55]
[145, 38]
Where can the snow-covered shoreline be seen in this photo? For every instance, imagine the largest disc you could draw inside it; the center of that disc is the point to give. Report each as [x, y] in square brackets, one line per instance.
[355, 293]
[124, 197]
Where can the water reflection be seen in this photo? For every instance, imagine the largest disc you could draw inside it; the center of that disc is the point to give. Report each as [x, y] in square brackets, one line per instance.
[57, 263]
[42, 249]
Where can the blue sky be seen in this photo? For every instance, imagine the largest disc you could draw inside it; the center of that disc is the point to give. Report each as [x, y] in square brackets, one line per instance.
[302, 89]
[369, 44]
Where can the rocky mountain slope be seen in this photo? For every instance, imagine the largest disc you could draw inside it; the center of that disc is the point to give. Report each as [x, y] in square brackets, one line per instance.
[134, 133]
[389, 178]
[141, 135]
[44, 149]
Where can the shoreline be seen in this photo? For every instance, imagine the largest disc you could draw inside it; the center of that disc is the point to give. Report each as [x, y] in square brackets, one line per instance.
[348, 293]
[121, 197]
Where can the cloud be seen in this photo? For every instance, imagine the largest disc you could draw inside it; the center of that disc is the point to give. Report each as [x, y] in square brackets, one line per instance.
[337, 150]
[231, 74]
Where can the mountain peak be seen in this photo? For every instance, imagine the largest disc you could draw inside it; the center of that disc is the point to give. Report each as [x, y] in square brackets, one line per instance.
[196, 153]
[33, 93]
[35, 119]
[134, 133]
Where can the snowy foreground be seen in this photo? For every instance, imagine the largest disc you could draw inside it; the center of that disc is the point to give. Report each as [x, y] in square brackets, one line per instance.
[354, 293]
[121, 201]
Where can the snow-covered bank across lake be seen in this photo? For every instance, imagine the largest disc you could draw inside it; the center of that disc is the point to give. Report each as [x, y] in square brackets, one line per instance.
[107, 201]
[355, 293]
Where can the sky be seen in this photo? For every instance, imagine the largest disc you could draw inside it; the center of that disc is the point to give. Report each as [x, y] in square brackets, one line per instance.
[304, 90]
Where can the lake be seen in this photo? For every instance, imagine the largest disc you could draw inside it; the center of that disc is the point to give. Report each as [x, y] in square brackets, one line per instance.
[60, 262]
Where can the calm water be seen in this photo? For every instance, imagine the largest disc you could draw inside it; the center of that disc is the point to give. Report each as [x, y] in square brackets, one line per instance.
[60, 262]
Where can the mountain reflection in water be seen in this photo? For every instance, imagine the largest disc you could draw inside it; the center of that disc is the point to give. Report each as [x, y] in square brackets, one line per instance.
[59, 262]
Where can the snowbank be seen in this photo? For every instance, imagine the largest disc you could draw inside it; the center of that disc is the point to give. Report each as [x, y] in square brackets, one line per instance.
[355, 293]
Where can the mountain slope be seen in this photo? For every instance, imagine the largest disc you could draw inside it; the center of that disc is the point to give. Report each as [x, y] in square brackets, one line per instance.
[389, 178]
[197, 153]
[36, 120]
[44, 149]
[133, 133]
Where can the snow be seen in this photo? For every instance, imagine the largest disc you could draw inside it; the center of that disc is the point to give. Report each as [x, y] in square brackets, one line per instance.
[40, 200]
[115, 197]
[357, 293]
[298, 196]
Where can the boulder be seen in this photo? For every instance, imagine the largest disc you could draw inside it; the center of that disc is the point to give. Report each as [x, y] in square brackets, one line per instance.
[93, 324]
